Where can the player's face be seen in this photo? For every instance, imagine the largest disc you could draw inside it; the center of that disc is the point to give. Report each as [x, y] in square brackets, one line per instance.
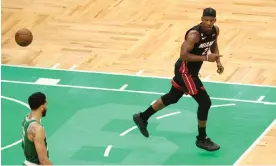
[44, 109]
[208, 22]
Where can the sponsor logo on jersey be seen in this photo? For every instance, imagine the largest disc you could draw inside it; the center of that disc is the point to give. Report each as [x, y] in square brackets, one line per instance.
[206, 44]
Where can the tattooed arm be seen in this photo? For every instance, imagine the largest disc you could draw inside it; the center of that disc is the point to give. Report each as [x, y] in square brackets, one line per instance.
[38, 135]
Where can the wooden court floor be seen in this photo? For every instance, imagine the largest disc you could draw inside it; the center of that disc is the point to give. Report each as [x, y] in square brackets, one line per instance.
[129, 36]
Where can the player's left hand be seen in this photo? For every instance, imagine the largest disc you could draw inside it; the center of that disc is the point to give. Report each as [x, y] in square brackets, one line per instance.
[220, 68]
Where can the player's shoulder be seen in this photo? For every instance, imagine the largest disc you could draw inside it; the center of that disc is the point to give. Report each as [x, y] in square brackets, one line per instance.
[39, 128]
[193, 35]
[35, 126]
[38, 131]
[193, 32]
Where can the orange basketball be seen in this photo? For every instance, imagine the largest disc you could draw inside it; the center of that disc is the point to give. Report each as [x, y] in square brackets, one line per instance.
[23, 37]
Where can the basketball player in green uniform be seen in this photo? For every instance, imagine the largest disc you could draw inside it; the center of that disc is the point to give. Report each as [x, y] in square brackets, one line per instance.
[34, 142]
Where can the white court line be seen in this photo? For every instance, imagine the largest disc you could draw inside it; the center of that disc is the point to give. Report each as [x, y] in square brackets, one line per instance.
[133, 91]
[261, 98]
[46, 81]
[16, 101]
[178, 112]
[269, 103]
[123, 87]
[255, 143]
[123, 74]
[11, 145]
[73, 67]
[222, 105]
[107, 150]
[19, 102]
[167, 115]
[139, 72]
[128, 130]
[55, 66]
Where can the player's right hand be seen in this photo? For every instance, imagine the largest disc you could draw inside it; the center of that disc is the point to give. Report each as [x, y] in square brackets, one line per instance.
[212, 57]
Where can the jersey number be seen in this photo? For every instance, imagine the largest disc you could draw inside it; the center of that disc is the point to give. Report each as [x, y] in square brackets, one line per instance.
[205, 52]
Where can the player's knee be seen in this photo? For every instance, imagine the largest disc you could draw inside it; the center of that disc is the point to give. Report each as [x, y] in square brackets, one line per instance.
[204, 100]
[174, 98]
[207, 104]
[170, 98]
[204, 108]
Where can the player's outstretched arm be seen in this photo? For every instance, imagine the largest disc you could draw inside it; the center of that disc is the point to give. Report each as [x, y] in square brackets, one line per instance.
[187, 47]
[39, 136]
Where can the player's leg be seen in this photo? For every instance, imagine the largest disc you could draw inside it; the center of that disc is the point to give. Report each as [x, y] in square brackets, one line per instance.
[204, 103]
[169, 98]
[141, 119]
[172, 97]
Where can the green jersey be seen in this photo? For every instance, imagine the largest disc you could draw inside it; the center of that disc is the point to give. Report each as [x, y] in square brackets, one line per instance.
[28, 145]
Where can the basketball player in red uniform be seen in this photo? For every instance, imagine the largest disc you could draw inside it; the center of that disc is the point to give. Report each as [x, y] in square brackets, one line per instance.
[199, 41]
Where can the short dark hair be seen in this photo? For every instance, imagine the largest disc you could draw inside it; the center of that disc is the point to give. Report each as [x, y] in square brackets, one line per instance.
[36, 100]
[209, 12]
